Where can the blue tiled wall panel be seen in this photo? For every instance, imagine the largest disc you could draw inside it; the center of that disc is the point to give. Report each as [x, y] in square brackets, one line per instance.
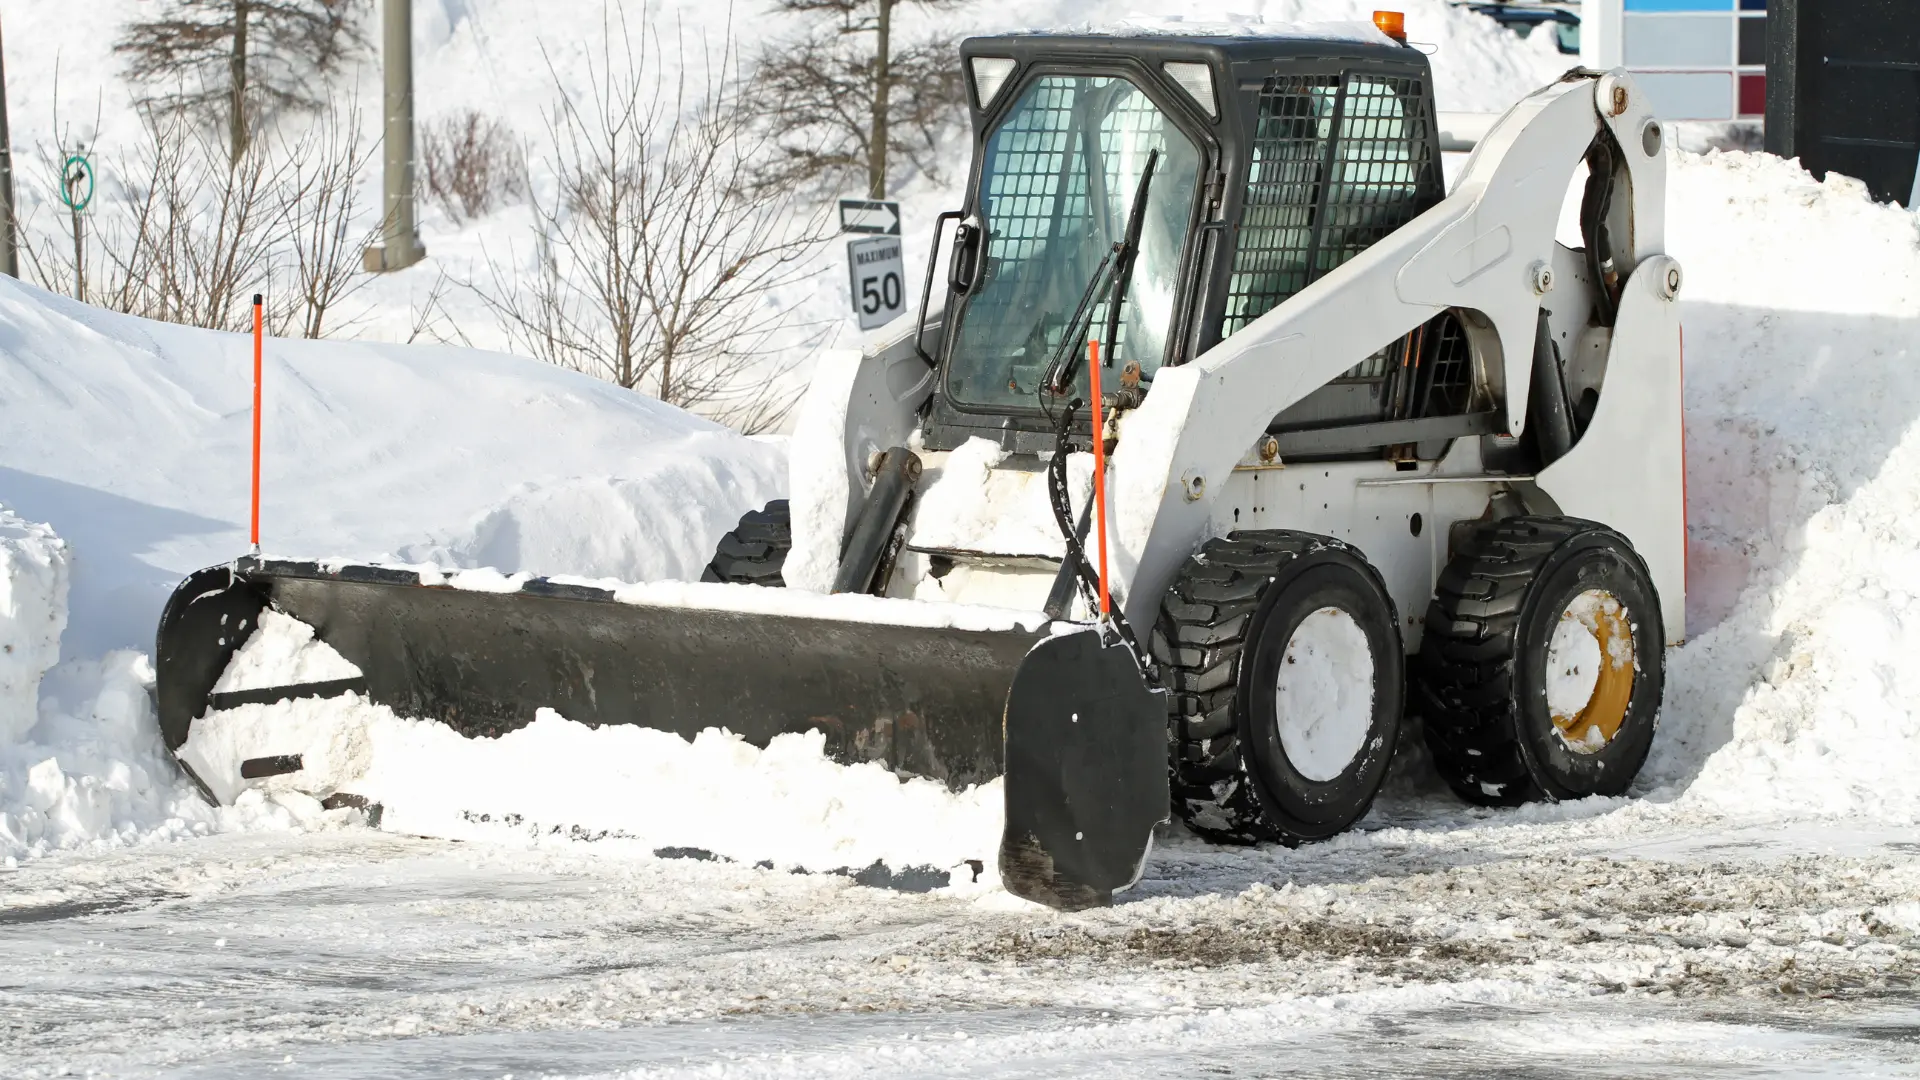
[1696, 41]
[1689, 95]
[1681, 5]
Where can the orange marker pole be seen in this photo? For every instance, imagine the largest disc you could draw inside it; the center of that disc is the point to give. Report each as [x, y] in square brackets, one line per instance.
[1099, 473]
[258, 331]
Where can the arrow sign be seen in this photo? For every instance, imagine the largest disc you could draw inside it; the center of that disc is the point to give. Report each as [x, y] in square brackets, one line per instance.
[870, 216]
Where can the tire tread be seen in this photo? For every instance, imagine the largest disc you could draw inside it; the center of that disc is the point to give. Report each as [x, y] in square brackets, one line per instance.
[1463, 678]
[1204, 622]
[755, 552]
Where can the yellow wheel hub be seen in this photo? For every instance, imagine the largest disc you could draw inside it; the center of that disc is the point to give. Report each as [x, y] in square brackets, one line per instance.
[1590, 669]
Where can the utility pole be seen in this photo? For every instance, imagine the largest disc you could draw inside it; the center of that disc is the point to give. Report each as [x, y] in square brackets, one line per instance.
[9, 252]
[401, 245]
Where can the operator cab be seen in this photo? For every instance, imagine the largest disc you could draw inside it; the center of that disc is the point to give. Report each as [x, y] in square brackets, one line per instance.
[1243, 169]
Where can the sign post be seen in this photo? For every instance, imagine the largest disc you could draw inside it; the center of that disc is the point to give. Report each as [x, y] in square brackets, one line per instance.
[876, 277]
[76, 191]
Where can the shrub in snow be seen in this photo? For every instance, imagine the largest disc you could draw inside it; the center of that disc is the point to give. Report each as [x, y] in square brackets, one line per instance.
[473, 164]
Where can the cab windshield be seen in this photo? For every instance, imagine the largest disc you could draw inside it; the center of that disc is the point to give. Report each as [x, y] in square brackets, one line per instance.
[1059, 175]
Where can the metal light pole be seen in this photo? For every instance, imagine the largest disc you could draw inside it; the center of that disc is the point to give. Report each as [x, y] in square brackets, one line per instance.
[9, 254]
[401, 245]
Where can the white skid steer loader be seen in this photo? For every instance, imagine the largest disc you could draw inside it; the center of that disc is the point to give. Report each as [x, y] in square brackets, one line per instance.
[1344, 419]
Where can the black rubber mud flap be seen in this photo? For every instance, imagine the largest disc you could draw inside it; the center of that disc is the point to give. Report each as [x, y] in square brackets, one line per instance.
[1086, 780]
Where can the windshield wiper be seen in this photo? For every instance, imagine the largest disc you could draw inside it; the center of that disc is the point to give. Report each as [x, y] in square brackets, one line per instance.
[1116, 267]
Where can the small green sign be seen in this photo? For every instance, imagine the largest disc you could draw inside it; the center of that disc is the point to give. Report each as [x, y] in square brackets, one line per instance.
[77, 171]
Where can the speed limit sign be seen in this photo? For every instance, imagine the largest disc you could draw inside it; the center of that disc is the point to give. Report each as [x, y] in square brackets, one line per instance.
[877, 274]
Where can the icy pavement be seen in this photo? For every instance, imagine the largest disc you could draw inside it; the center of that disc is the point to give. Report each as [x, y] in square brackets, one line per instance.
[1471, 945]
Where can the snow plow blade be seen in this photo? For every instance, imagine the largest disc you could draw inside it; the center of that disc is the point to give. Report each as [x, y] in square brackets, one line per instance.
[924, 701]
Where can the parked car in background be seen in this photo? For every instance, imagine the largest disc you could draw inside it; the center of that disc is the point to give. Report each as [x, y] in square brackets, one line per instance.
[1560, 20]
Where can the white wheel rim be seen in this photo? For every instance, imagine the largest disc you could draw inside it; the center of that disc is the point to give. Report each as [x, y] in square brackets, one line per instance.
[1590, 669]
[1323, 694]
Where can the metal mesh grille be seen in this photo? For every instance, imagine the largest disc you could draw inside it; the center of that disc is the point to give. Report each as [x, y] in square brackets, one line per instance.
[1283, 186]
[1040, 191]
[1446, 384]
[1024, 193]
[1429, 371]
[1338, 162]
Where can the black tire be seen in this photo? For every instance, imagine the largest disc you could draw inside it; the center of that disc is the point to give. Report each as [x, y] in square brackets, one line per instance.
[756, 550]
[1226, 625]
[1481, 679]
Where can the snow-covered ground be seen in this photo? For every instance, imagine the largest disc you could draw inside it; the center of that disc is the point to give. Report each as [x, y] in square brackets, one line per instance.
[1464, 950]
[1753, 909]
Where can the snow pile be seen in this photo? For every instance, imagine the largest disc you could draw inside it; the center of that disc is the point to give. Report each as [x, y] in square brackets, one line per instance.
[81, 761]
[965, 505]
[133, 439]
[72, 772]
[1798, 694]
[787, 804]
[661, 524]
[282, 652]
[90, 768]
[33, 612]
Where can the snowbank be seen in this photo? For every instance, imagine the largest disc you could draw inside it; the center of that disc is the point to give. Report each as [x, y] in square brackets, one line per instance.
[33, 612]
[132, 438]
[81, 762]
[1798, 694]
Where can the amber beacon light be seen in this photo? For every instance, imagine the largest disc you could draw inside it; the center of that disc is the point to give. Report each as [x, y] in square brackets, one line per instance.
[1393, 24]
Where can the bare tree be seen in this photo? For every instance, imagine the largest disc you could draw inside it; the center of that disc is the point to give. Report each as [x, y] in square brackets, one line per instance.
[239, 57]
[318, 204]
[472, 164]
[182, 234]
[848, 98]
[659, 258]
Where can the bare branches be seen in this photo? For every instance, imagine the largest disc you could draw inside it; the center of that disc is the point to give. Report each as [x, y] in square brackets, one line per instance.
[837, 109]
[241, 57]
[182, 234]
[430, 318]
[659, 258]
[472, 164]
[318, 205]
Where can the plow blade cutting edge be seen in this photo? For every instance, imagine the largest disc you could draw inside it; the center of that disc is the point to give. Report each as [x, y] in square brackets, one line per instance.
[1079, 739]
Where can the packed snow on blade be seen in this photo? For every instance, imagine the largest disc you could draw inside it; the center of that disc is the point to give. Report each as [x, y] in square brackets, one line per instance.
[787, 804]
